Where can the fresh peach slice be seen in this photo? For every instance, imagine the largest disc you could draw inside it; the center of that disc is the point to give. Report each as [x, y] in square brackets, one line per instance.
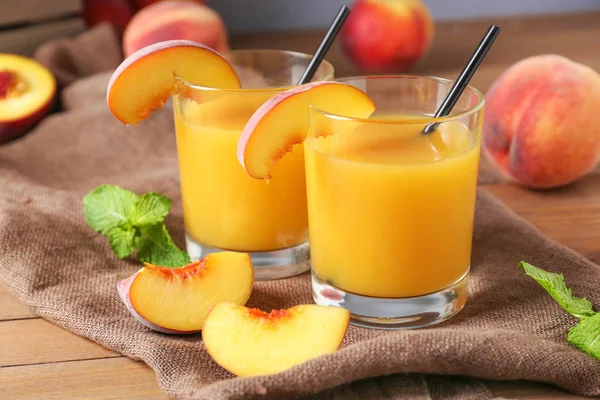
[27, 91]
[282, 122]
[146, 79]
[176, 300]
[247, 342]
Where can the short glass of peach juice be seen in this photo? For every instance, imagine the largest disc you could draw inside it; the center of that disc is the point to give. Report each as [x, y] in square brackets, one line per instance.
[223, 207]
[390, 208]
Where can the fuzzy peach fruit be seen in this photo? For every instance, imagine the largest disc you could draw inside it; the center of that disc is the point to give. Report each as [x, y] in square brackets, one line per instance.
[27, 92]
[146, 79]
[176, 300]
[175, 20]
[116, 12]
[282, 122]
[387, 35]
[248, 342]
[541, 125]
[139, 4]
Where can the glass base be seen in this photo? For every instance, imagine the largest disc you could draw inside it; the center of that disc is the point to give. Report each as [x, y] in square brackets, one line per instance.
[400, 313]
[267, 264]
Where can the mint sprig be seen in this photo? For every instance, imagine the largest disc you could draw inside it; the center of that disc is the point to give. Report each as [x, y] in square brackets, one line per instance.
[134, 222]
[586, 334]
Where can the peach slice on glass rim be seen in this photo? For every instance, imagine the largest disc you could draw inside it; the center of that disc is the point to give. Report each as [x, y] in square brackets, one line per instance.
[176, 300]
[283, 121]
[146, 79]
[248, 342]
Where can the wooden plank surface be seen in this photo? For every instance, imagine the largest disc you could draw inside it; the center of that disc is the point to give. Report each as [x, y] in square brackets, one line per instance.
[11, 308]
[106, 379]
[570, 215]
[45, 342]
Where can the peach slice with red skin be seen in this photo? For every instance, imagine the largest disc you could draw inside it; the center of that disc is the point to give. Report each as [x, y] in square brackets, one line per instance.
[282, 122]
[27, 90]
[249, 342]
[146, 79]
[176, 300]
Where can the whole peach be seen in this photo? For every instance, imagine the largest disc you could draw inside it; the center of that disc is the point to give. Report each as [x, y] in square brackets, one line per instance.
[139, 4]
[542, 121]
[175, 20]
[387, 35]
[116, 12]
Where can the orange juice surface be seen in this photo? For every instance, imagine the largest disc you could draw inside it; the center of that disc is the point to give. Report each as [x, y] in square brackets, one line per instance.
[224, 207]
[391, 210]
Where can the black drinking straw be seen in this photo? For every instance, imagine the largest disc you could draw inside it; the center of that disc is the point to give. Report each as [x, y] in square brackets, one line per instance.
[334, 29]
[465, 76]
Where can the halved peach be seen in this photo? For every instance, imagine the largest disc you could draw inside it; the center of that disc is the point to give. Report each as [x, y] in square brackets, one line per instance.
[282, 122]
[27, 91]
[146, 79]
[176, 300]
[247, 342]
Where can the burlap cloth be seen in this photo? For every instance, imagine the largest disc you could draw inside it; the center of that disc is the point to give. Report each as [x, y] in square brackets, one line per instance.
[53, 262]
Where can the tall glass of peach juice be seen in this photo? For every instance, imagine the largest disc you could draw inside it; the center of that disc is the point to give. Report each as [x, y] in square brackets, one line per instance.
[391, 209]
[224, 208]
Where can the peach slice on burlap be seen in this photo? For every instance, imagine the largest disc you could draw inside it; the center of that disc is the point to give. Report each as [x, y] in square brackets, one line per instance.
[248, 342]
[176, 300]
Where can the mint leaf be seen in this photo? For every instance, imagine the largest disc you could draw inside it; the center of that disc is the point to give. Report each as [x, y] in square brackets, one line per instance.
[586, 336]
[108, 207]
[555, 286]
[122, 241]
[150, 209]
[156, 247]
[132, 222]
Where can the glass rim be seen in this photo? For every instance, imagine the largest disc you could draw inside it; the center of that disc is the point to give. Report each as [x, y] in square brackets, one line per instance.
[405, 121]
[272, 89]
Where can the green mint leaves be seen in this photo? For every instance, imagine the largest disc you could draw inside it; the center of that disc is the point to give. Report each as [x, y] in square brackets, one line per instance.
[133, 222]
[585, 335]
[108, 207]
[154, 243]
[555, 286]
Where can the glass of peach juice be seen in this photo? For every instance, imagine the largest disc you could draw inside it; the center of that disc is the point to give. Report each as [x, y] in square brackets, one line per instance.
[223, 207]
[390, 208]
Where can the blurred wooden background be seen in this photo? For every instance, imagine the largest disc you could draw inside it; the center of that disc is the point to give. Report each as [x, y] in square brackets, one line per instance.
[25, 24]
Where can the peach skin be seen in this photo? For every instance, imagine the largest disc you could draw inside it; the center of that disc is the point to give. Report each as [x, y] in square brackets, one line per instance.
[387, 35]
[542, 125]
[116, 12]
[139, 4]
[175, 20]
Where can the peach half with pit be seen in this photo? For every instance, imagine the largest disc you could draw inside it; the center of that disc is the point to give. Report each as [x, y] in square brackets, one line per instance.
[249, 342]
[176, 300]
[283, 121]
[146, 79]
[27, 90]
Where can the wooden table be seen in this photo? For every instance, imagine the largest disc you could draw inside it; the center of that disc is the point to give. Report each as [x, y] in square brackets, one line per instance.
[40, 360]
